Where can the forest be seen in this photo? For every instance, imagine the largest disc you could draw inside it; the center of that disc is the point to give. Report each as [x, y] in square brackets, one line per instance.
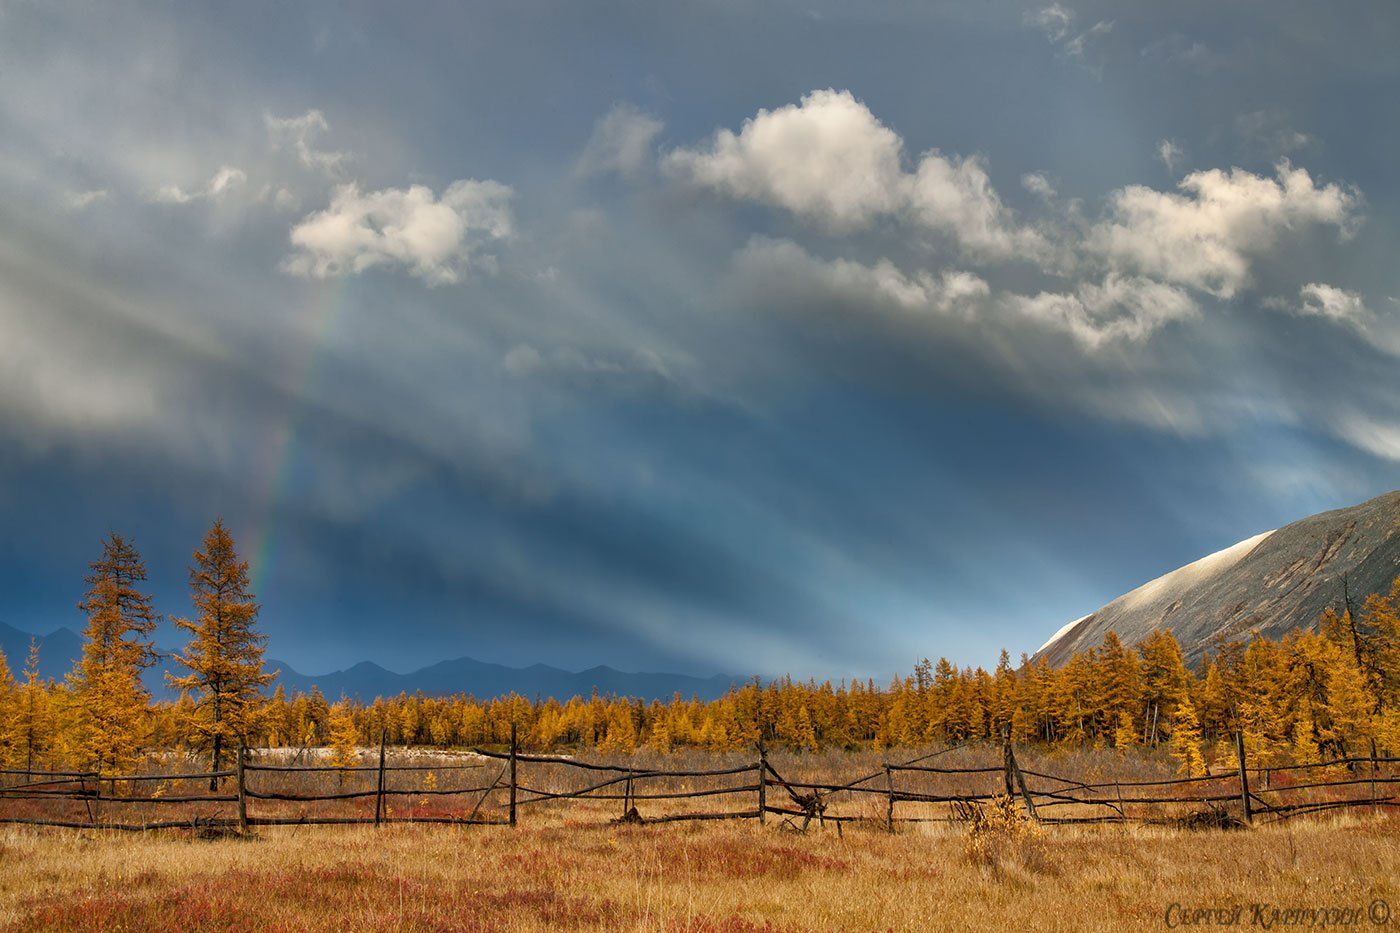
[1312, 696]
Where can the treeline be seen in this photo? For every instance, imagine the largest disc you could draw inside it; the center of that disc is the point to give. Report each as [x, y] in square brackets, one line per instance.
[101, 716]
[1311, 696]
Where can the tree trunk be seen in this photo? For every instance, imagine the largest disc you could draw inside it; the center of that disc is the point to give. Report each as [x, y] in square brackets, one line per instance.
[218, 756]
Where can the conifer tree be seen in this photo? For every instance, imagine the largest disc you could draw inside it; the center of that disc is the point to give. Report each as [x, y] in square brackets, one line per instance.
[109, 703]
[9, 700]
[1120, 679]
[345, 737]
[33, 717]
[1186, 740]
[225, 653]
[1349, 724]
[1165, 682]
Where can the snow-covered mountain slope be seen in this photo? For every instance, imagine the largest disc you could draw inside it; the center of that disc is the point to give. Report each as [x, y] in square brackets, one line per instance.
[1270, 583]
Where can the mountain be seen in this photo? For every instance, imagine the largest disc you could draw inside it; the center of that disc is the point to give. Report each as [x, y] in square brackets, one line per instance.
[367, 680]
[57, 650]
[60, 649]
[1271, 583]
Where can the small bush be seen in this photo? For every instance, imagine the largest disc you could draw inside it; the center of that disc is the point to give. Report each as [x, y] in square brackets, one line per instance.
[999, 835]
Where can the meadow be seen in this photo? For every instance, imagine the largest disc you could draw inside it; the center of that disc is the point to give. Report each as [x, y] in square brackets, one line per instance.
[570, 864]
[722, 877]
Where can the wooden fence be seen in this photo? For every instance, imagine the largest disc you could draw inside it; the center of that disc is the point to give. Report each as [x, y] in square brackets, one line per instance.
[941, 793]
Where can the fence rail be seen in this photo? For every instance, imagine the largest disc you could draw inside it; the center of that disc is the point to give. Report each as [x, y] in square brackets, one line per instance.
[1271, 795]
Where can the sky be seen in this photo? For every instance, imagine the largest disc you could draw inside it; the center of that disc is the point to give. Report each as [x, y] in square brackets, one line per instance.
[705, 337]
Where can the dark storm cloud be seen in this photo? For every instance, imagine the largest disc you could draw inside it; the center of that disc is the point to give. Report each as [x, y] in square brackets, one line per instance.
[710, 337]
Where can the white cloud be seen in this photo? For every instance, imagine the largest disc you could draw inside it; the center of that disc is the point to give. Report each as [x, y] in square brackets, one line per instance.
[1333, 303]
[1375, 437]
[436, 239]
[224, 182]
[78, 200]
[1120, 308]
[829, 159]
[523, 360]
[768, 266]
[1057, 23]
[1075, 47]
[955, 196]
[826, 158]
[282, 198]
[1268, 133]
[1170, 154]
[1039, 185]
[301, 133]
[622, 142]
[1205, 236]
[1345, 308]
[1053, 20]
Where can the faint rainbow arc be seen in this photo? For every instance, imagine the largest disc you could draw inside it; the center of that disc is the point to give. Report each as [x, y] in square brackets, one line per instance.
[279, 453]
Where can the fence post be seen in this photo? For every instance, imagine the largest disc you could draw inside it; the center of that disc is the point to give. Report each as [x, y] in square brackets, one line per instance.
[1021, 782]
[512, 772]
[1244, 777]
[1006, 762]
[1373, 777]
[379, 785]
[889, 804]
[242, 792]
[762, 784]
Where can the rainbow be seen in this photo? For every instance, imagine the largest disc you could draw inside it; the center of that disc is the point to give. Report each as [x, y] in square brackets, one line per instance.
[278, 457]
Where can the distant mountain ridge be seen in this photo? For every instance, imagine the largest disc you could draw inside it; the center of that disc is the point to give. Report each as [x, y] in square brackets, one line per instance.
[1271, 583]
[59, 649]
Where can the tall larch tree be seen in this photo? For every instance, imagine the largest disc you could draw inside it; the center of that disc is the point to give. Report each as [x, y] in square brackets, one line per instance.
[1166, 683]
[9, 700]
[109, 705]
[225, 653]
[33, 713]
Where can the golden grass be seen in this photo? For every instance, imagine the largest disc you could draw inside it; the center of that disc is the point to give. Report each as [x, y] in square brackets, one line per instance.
[562, 871]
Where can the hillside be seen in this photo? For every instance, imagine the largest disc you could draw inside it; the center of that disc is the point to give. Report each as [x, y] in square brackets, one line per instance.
[1271, 583]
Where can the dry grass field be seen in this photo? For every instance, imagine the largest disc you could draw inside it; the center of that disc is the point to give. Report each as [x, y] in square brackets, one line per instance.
[569, 866]
[717, 876]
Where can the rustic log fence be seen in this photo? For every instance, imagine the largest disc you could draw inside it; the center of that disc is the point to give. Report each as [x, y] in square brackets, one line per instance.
[1047, 798]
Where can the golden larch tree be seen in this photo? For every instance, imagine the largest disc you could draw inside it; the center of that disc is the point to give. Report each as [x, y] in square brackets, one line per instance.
[9, 700]
[225, 653]
[33, 722]
[109, 705]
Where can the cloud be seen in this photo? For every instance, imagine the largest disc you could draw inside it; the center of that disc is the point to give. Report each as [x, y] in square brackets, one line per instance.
[828, 159]
[1379, 438]
[301, 133]
[1333, 303]
[767, 266]
[1170, 154]
[435, 239]
[1120, 308]
[1205, 236]
[1345, 308]
[954, 196]
[1179, 49]
[224, 182]
[1039, 185]
[282, 198]
[1053, 20]
[1075, 47]
[1057, 23]
[79, 200]
[622, 143]
[1267, 133]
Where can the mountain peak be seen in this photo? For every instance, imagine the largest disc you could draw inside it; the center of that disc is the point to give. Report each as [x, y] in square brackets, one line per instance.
[1271, 583]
